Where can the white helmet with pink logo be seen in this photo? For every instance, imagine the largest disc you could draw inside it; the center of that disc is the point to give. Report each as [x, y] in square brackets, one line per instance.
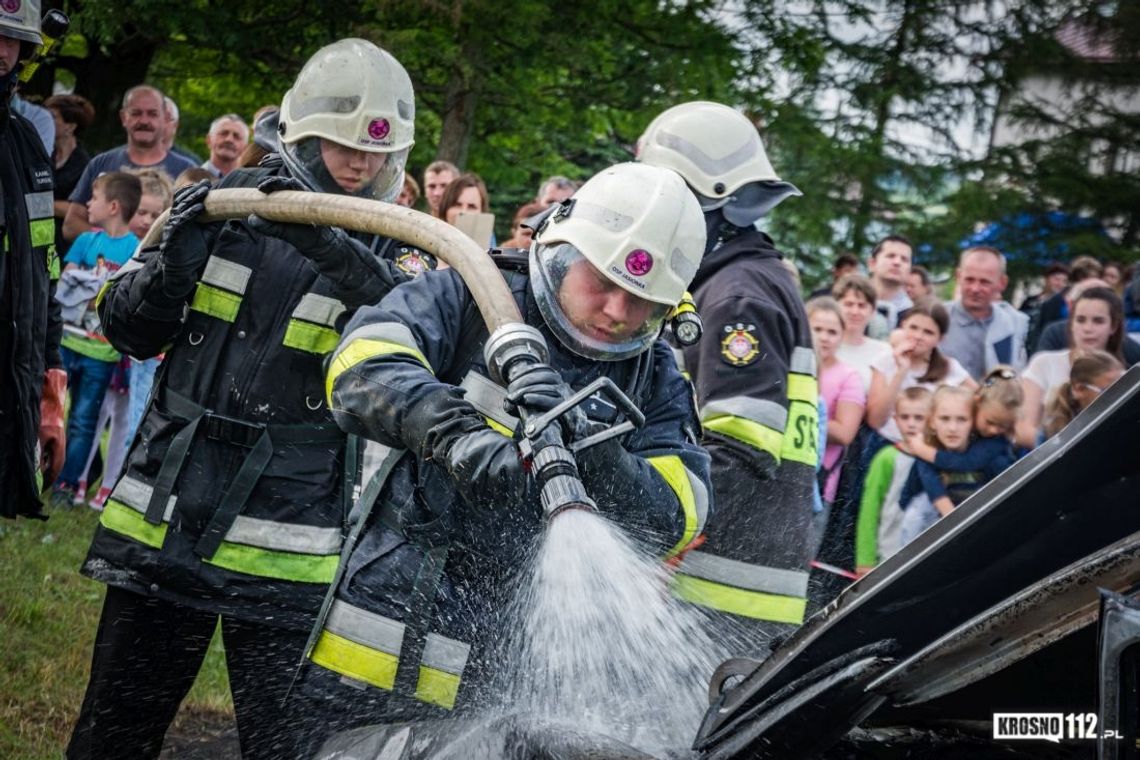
[358, 96]
[640, 230]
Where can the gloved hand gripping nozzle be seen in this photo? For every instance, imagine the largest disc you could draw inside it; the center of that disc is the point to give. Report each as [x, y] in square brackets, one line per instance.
[511, 352]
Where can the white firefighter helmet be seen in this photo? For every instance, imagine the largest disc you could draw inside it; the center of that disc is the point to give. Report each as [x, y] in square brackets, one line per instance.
[718, 151]
[21, 21]
[354, 94]
[632, 228]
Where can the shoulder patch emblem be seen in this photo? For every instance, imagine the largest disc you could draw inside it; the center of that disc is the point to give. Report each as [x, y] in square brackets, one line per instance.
[739, 346]
[414, 262]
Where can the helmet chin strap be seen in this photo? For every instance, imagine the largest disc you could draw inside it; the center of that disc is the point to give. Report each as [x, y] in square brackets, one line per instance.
[719, 230]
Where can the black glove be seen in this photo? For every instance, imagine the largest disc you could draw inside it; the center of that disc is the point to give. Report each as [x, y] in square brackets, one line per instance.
[484, 466]
[185, 242]
[539, 389]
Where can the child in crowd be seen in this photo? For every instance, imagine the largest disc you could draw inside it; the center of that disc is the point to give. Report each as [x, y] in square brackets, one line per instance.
[1090, 375]
[87, 356]
[964, 464]
[840, 387]
[157, 192]
[880, 514]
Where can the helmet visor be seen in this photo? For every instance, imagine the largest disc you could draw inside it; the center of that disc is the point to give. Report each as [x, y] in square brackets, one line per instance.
[328, 167]
[590, 314]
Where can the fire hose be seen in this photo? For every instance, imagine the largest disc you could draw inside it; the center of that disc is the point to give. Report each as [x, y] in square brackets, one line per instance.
[512, 348]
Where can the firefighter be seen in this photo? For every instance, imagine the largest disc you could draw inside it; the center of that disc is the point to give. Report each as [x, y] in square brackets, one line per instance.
[754, 373]
[450, 514]
[234, 496]
[32, 380]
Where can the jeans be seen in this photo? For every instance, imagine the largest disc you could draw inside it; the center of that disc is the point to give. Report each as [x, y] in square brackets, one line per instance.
[142, 381]
[87, 381]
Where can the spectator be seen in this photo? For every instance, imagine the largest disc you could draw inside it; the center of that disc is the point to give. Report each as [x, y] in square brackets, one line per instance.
[192, 176]
[877, 531]
[915, 360]
[984, 331]
[555, 190]
[466, 193]
[918, 284]
[1092, 373]
[40, 118]
[1113, 275]
[437, 177]
[889, 267]
[856, 298]
[1055, 280]
[1055, 337]
[1056, 307]
[142, 118]
[1095, 324]
[72, 115]
[845, 264]
[521, 234]
[226, 141]
[263, 141]
[170, 131]
[840, 387]
[410, 194]
[157, 190]
[87, 356]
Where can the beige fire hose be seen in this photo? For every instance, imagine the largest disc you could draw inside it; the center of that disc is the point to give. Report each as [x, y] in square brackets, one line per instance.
[427, 233]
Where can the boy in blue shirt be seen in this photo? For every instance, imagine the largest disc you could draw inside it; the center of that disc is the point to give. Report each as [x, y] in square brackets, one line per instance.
[87, 357]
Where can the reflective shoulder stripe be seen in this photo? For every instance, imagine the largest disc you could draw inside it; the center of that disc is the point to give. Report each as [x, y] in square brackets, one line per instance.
[758, 410]
[692, 494]
[320, 310]
[286, 537]
[773, 580]
[487, 397]
[750, 604]
[370, 341]
[226, 274]
[803, 361]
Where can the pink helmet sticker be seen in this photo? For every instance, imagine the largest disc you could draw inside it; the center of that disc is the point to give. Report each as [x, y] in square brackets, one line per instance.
[378, 129]
[638, 262]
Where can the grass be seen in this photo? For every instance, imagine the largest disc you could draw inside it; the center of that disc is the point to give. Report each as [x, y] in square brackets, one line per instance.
[48, 615]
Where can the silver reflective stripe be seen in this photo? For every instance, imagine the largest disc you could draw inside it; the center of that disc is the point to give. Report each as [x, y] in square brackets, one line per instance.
[40, 205]
[367, 628]
[603, 216]
[731, 572]
[701, 497]
[767, 413]
[393, 332]
[321, 310]
[679, 357]
[707, 163]
[803, 361]
[226, 274]
[487, 397]
[284, 537]
[445, 654]
[136, 495]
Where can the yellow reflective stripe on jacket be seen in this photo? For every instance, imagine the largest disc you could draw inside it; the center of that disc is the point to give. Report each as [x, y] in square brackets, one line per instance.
[365, 646]
[370, 342]
[751, 604]
[254, 546]
[747, 432]
[800, 438]
[42, 232]
[742, 588]
[215, 302]
[803, 388]
[691, 493]
[314, 339]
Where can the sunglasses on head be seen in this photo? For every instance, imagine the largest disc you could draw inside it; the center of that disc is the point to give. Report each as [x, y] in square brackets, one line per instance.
[999, 374]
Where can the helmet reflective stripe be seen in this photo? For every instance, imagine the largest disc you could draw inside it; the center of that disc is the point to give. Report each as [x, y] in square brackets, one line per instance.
[23, 22]
[636, 224]
[718, 151]
[355, 94]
